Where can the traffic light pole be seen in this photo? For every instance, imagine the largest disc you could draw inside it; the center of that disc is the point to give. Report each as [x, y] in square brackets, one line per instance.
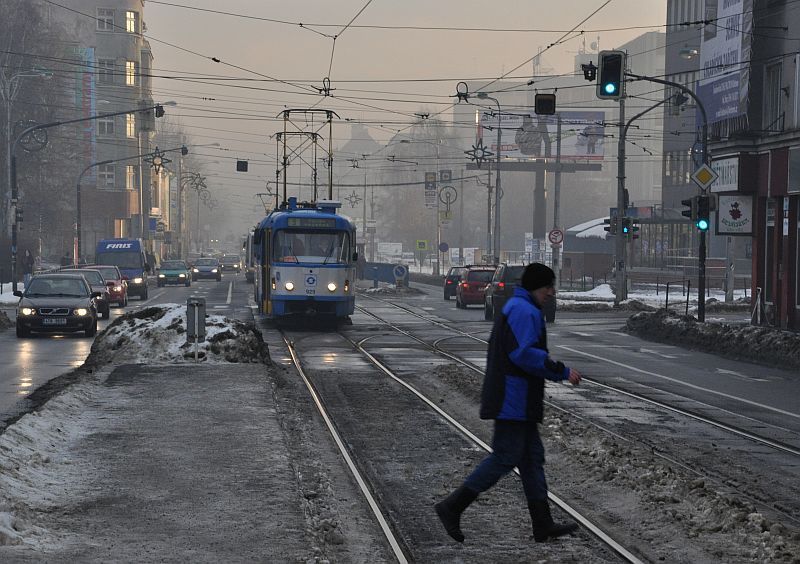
[620, 282]
[701, 252]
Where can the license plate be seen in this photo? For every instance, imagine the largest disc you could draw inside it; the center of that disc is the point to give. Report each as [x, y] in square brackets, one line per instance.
[54, 321]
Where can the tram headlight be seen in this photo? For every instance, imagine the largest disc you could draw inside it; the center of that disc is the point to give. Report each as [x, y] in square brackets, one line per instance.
[289, 286]
[331, 287]
[346, 286]
[274, 284]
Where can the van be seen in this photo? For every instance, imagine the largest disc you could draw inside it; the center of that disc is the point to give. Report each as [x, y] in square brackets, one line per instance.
[129, 256]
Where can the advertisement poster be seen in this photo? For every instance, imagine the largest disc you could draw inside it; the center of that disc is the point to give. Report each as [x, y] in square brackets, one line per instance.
[725, 47]
[735, 215]
[526, 136]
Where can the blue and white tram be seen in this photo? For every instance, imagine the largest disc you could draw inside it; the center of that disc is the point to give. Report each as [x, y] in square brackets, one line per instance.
[305, 257]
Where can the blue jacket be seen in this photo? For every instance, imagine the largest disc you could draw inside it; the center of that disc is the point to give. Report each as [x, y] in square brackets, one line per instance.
[517, 363]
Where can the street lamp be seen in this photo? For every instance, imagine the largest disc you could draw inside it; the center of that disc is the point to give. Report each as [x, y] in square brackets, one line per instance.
[159, 110]
[78, 208]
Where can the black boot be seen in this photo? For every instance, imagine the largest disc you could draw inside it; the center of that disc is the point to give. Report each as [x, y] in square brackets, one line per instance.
[543, 526]
[449, 510]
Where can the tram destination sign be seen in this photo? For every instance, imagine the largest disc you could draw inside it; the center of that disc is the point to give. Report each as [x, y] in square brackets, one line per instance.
[312, 222]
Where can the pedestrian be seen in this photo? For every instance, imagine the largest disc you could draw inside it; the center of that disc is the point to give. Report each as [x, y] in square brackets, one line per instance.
[517, 365]
[27, 267]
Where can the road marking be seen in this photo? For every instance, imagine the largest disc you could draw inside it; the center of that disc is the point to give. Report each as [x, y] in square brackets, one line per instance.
[686, 384]
[740, 375]
[230, 291]
[651, 351]
[579, 334]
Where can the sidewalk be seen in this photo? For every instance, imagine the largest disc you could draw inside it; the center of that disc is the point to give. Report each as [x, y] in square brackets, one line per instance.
[177, 463]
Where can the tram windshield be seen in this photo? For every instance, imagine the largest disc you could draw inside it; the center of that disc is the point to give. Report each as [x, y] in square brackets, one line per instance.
[312, 246]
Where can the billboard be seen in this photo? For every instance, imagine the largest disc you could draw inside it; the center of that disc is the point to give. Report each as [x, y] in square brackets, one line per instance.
[725, 47]
[526, 136]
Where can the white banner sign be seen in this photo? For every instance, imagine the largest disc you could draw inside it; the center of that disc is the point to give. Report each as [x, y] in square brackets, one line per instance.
[735, 215]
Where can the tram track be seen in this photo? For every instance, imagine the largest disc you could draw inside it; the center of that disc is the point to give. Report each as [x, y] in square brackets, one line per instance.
[362, 467]
[787, 510]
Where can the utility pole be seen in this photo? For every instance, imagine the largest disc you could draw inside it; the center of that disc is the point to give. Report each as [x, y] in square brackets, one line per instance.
[557, 202]
[620, 282]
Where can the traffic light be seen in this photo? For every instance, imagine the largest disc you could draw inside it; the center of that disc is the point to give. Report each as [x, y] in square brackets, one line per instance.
[703, 220]
[611, 225]
[691, 204]
[611, 71]
[18, 215]
[626, 226]
[159, 111]
[633, 232]
[544, 104]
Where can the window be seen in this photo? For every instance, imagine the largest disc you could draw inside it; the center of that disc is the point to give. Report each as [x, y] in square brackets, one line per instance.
[130, 125]
[773, 116]
[105, 71]
[105, 126]
[130, 177]
[105, 176]
[105, 19]
[130, 73]
[131, 22]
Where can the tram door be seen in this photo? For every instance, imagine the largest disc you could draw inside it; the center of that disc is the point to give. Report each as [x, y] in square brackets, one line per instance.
[266, 261]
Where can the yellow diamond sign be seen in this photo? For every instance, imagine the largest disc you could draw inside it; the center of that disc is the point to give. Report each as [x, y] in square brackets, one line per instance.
[704, 177]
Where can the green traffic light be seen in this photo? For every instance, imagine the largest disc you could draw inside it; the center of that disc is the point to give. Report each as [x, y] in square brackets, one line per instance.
[610, 88]
[702, 224]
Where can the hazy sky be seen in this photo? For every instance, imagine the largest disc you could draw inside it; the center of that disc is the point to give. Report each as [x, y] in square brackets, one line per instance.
[367, 62]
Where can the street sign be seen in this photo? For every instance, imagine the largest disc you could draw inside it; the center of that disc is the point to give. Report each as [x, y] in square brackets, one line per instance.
[422, 245]
[443, 247]
[556, 236]
[704, 177]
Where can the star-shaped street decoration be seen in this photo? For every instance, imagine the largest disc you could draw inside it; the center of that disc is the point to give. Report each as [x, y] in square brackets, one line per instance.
[157, 160]
[353, 199]
[479, 153]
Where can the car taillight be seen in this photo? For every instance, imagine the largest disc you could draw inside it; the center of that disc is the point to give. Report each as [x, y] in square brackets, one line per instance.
[448, 281]
[465, 285]
[501, 285]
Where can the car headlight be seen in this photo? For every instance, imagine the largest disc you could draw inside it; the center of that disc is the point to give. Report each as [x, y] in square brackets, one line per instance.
[195, 270]
[81, 312]
[213, 271]
[137, 280]
[116, 289]
[289, 286]
[27, 311]
[161, 276]
[181, 275]
[331, 287]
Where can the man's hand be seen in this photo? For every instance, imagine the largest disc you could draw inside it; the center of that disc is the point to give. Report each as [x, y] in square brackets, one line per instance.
[574, 377]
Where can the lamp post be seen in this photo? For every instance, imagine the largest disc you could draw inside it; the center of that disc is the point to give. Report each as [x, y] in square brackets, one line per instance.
[78, 233]
[497, 188]
[9, 87]
[159, 110]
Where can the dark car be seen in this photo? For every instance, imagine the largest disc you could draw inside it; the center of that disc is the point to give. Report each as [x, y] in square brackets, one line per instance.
[207, 268]
[98, 285]
[505, 278]
[57, 303]
[501, 288]
[451, 281]
[174, 272]
[116, 283]
[231, 262]
[473, 284]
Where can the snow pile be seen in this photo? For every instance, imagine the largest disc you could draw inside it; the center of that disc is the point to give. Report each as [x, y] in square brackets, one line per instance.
[393, 291]
[5, 322]
[36, 470]
[749, 342]
[158, 334]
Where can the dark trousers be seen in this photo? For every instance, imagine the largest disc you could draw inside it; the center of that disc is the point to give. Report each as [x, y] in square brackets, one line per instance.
[515, 443]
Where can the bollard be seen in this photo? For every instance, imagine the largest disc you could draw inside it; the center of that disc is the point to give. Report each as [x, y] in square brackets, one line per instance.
[195, 322]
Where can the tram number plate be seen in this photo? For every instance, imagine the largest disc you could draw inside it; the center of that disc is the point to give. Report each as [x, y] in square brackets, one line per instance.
[310, 292]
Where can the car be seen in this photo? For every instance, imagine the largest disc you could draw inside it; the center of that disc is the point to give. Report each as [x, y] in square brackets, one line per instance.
[231, 262]
[174, 272]
[473, 285]
[501, 288]
[207, 268]
[451, 281]
[98, 285]
[57, 303]
[117, 285]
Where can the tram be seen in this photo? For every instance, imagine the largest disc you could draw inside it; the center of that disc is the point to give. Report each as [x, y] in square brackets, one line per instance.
[305, 261]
